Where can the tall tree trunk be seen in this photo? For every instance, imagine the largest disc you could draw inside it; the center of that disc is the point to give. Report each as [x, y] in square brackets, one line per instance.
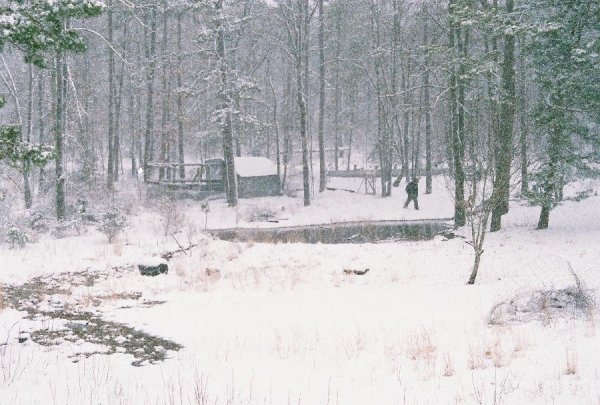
[455, 106]
[29, 130]
[383, 144]
[226, 125]
[297, 23]
[306, 16]
[110, 178]
[322, 168]
[394, 78]
[303, 136]
[236, 124]
[505, 141]
[524, 155]
[406, 119]
[416, 147]
[288, 114]
[86, 137]
[133, 125]
[150, 37]
[336, 85]
[118, 156]
[544, 217]
[427, 106]
[556, 154]
[351, 135]
[59, 127]
[523, 127]
[180, 134]
[164, 130]
[276, 125]
[41, 122]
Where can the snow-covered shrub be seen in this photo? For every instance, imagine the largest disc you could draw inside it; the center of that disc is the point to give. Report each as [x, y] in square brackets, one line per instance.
[67, 227]
[546, 304]
[257, 214]
[112, 221]
[16, 237]
[38, 221]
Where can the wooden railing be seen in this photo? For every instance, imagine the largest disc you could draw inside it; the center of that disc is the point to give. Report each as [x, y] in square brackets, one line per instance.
[168, 174]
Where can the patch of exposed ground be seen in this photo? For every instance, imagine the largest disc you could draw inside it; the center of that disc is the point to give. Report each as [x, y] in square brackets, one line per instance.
[43, 298]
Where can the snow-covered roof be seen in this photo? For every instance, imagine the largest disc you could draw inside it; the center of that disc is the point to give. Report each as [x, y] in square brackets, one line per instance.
[250, 166]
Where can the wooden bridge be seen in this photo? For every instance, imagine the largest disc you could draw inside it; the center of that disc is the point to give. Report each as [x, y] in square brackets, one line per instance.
[196, 176]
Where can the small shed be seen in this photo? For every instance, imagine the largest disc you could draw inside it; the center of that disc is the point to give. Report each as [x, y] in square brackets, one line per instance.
[256, 176]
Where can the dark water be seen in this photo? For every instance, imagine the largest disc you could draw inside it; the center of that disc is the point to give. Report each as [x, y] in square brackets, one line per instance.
[355, 232]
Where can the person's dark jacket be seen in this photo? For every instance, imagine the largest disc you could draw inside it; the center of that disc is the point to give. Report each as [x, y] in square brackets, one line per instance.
[412, 189]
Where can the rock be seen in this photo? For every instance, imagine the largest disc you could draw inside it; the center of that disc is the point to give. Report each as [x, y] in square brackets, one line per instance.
[146, 270]
[152, 266]
[356, 272]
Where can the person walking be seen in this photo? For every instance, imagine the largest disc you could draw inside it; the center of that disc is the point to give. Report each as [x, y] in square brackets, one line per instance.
[412, 189]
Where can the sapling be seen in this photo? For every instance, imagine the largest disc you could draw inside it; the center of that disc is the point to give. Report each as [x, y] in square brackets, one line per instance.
[38, 221]
[16, 237]
[112, 221]
[206, 209]
[479, 206]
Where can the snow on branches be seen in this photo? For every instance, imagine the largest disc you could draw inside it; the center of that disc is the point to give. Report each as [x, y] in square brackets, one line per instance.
[17, 151]
[38, 25]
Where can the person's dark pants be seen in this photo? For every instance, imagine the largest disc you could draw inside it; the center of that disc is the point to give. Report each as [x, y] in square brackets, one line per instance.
[412, 198]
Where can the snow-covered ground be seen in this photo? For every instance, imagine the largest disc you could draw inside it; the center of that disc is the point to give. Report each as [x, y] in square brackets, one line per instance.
[283, 324]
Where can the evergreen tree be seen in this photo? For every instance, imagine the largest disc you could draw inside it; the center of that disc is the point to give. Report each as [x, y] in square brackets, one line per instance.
[39, 29]
[565, 45]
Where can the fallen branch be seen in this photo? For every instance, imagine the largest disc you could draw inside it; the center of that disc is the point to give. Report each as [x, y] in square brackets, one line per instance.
[168, 255]
[340, 189]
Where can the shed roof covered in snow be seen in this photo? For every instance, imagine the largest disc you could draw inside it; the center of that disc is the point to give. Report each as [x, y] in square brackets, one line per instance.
[250, 166]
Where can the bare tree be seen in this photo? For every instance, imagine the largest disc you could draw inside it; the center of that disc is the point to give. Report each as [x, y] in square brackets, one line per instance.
[110, 178]
[322, 168]
[150, 53]
[295, 16]
[180, 112]
[427, 106]
[479, 205]
[225, 113]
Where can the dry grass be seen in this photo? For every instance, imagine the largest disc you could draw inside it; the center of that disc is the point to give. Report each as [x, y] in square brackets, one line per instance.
[354, 344]
[118, 249]
[571, 360]
[520, 344]
[295, 342]
[499, 358]
[179, 269]
[476, 357]
[421, 346]
[448, 370]
[591, 318]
